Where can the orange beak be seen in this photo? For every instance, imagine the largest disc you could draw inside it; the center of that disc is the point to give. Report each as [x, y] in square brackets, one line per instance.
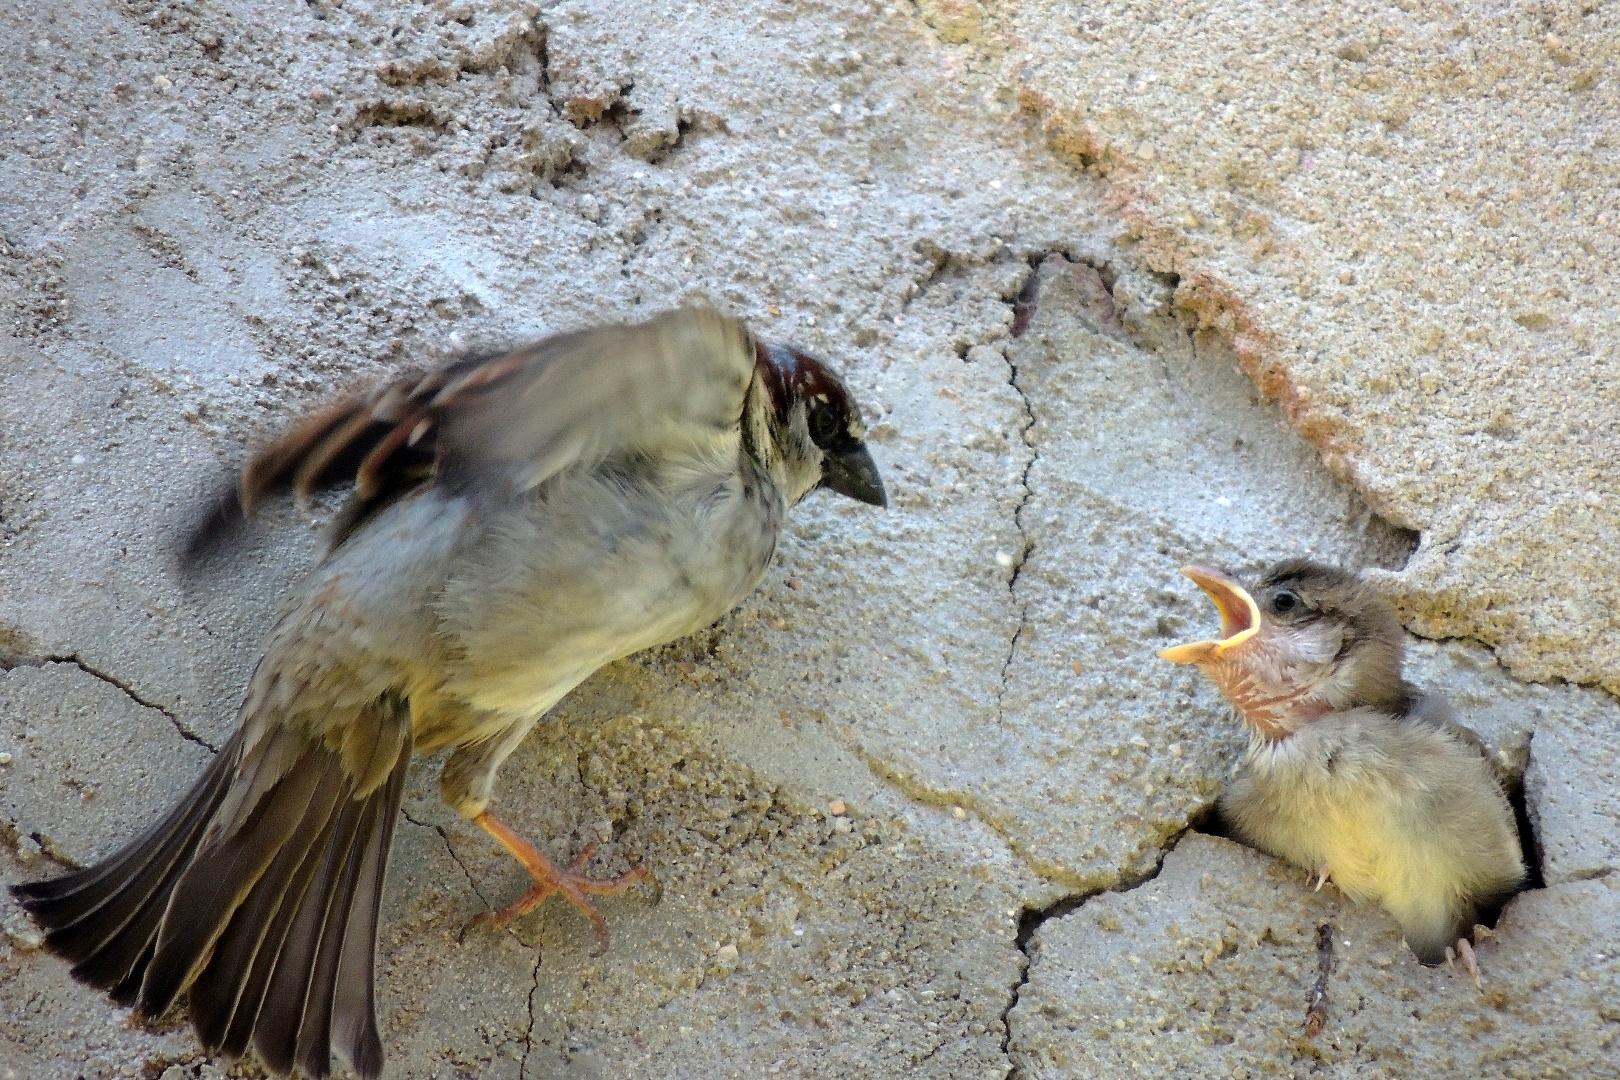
[1240, 617]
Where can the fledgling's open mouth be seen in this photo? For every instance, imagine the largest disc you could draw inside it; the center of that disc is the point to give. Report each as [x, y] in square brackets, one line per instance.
[1240, 616]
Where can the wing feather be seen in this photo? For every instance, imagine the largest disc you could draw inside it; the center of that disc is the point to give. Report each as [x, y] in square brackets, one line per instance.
[510, 421]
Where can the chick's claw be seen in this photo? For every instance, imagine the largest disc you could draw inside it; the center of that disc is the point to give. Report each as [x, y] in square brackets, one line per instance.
[1466, 951]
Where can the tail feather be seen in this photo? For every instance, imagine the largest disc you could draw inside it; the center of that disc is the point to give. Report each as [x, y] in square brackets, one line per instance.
[265, 918]
[124, 994]
[354, 1009]
[216, 994]
[315, 1032]
[219, 879]
[103, 918]
[256, 982]
[275, 1035]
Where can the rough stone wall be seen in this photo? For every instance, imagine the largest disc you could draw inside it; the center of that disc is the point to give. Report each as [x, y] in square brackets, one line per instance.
[1120, 286]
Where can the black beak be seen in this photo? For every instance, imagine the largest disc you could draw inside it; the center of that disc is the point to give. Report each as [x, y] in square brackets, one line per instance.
[853, 473]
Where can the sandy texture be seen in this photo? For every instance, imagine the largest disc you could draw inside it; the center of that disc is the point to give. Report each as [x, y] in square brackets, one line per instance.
[1404, 219]
[1067, 299]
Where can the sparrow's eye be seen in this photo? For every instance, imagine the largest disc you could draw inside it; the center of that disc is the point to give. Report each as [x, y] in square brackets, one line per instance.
[825, 425]
[1284, 602]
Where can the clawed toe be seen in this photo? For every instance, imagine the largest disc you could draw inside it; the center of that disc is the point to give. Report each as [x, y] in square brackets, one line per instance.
[1464, 951]
[571, 882]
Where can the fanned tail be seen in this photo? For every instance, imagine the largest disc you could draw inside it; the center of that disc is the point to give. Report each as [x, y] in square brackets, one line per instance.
[266, 923]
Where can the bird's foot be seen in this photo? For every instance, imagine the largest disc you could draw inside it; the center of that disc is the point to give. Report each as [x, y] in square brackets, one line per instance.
[1322, 873]
[570, 882]
[1465, 951]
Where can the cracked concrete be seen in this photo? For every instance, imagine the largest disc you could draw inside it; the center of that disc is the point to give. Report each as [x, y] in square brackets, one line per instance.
[1205, 970]
[185, 732]
[219, 213]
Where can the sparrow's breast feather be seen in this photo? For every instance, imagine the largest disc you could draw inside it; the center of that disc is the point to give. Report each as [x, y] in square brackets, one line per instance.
[600, 568]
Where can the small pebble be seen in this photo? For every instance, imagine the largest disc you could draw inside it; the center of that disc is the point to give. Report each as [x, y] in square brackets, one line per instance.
[836, 808]
[5, 759]
[1004, 560]
[727, 954]
[79, 459]
[842, 825]
[24, 936]
[958, 813]
[162, 82]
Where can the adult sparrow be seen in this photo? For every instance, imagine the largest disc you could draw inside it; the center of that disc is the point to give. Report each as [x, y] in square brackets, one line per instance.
[517, 521]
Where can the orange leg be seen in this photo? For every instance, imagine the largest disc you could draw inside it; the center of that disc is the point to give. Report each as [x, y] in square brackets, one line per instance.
[548, 879]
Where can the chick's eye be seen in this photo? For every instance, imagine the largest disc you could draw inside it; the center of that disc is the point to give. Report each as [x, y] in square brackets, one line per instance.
[1284, 602]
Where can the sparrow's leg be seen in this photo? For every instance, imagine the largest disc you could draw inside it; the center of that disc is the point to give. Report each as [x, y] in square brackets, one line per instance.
[548, 879]
[1322, 874]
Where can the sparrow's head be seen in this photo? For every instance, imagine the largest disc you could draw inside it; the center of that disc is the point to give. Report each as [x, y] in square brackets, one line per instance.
[809, 428]
[1304, 641]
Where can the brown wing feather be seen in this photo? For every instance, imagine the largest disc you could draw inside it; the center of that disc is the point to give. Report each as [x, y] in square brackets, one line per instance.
[383, 440]
[511, 417]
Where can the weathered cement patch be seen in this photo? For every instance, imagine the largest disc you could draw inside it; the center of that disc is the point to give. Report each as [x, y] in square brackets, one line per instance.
[1205, 971]
[1404, 219]
[82, 760]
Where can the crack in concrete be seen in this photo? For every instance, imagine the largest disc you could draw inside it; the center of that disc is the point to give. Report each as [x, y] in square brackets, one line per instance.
[528, 1034]
[450, 849]
[1027, 545]
[129, 692]
[945, 798]
[1032, 919]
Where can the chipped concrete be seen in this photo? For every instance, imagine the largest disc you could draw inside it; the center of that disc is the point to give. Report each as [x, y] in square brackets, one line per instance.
[1404, 220]
[1206, 970]
[220, 213]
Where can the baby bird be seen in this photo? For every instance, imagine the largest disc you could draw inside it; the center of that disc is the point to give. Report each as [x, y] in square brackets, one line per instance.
[1351, 771]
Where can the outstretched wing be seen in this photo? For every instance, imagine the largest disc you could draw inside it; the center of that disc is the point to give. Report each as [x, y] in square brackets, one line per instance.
[513, 420]
[678, 380]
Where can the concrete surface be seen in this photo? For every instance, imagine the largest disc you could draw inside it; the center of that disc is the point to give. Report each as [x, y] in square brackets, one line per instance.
[1404, 218]
[1205, 971]
[1119, 290]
